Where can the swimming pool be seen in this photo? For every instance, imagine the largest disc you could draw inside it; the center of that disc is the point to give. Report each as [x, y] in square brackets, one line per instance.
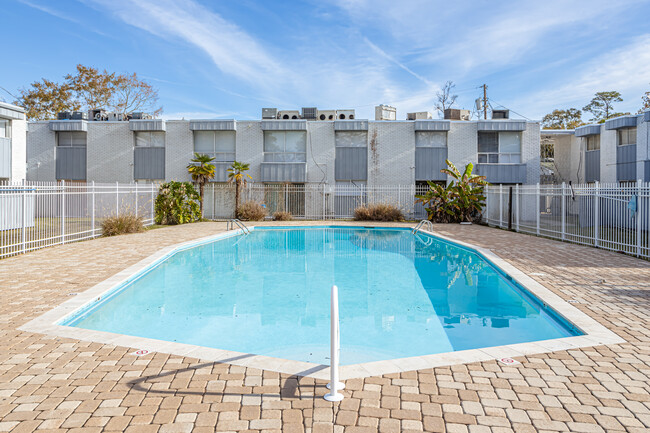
[267, 293]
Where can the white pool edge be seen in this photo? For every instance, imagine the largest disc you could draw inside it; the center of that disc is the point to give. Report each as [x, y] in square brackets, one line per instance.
[595, 334]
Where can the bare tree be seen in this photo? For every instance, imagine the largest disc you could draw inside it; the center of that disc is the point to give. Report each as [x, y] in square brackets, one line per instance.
[445, 98]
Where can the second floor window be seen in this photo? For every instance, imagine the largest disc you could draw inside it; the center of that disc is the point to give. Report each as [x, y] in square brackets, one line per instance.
[149, 139]
[593, 142]
[218, 144]
[626, 136]
[5, 128]
[499, 147]
[285, 146]
[430, 139]
[71, 139]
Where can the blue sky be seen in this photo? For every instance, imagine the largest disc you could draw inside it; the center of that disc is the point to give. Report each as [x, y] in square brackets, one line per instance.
[227, 59]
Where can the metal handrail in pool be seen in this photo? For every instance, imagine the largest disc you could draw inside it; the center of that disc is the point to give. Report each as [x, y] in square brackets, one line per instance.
[423, 223]
[231, 225]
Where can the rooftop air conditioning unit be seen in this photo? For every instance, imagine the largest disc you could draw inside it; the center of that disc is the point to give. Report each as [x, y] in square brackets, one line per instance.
[138, 115]
[79, 115]
[420, 115]
[64, 115]
[500, 114]
[326, 114]
[289, 114]
[116, 117]
[97, 115]
[345, 114]
[269, 113]
[456, 114]
[310, 113]
[385, 112]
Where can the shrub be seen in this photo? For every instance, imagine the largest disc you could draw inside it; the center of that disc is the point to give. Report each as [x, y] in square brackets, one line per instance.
[461, 200]
[251, 211]
[122, 224]
[282, 216]
[177, 203]
[378, 212]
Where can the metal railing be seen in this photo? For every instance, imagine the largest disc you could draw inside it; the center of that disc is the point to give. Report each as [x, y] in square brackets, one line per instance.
[335, 349]
[426, 223]
[237, 222]
[35, 215]
[609, 216]
[312, 201]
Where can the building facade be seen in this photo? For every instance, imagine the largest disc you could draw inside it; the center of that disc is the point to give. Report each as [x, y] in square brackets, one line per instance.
[293, 151]
[13, 143]
[615, 151]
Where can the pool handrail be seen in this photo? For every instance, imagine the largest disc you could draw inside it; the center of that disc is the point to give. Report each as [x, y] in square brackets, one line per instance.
[237, 222]
[335, 349]
[426, 223]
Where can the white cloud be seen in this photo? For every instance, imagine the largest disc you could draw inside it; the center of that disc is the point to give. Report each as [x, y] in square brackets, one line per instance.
[230, 48]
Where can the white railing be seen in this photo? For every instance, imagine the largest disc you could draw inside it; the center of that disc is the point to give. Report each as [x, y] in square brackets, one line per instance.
[311, 201]
[335, 349]
[35, 215]
[609, 216]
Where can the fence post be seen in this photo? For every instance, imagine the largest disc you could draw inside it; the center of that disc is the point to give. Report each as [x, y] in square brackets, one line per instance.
[324, 201]
[500, 205]
[487, 205]
[117, 199]
[517, 207]
[596, 213]
[136, 200]
[24, 214]
[63, 211]
[92, 217]
[563, 210]
[639, 218]
[510, 208]
[538, 198]
[153, 215]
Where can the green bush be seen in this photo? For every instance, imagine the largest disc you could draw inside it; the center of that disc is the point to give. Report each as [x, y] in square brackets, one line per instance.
[461, 200]
[378, 212]
[122, 224]
[282, 216]
[251, 211]
[177, 203]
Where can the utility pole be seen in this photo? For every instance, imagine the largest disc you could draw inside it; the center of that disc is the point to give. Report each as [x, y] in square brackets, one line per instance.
[484, 101]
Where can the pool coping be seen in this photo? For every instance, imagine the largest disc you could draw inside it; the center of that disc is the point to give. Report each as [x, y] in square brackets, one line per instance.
[595, 334]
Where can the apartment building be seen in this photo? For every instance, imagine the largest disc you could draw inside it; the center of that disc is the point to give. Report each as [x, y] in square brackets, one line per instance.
[12, 143]
[284, 149]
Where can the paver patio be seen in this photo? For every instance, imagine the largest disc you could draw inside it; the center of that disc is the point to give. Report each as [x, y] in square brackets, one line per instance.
[57, 384]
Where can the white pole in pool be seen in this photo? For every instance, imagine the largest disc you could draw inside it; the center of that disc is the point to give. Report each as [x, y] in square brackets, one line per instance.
[335, 348]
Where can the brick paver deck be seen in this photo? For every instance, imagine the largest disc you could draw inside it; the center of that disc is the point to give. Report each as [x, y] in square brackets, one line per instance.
[57, 384]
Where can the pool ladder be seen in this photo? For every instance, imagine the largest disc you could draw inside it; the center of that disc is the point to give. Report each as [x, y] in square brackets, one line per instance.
[236, 222]
[426, 223]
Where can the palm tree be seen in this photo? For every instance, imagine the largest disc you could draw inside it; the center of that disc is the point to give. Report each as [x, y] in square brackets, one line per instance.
[237, 175]
[202, 171]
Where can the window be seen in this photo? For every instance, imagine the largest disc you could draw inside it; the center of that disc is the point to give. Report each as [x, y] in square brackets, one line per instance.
[71, 139]
[593, 142]
[285, 146]
[626, 136]
[218, 144]
[499, 147]
[149, 139]
[430, 139]
[351, 139]
[5, 128]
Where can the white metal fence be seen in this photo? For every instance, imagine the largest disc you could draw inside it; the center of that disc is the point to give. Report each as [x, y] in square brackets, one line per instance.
[311, 201]
[610, 216]
[39, 214]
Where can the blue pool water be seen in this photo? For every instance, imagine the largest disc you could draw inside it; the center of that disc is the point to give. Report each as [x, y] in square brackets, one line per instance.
[268, 293]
